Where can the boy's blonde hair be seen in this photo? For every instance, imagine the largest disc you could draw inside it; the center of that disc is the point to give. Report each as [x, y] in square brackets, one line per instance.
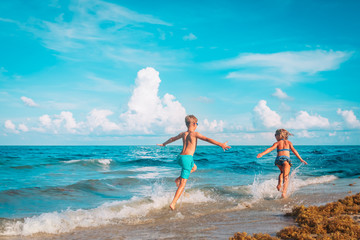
[189, 119]
[283, 133]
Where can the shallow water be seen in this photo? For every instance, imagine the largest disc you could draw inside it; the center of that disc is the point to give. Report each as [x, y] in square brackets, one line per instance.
[114, 191]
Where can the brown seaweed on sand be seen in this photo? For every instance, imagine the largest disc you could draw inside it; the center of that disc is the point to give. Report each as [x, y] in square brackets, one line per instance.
[256, 236]
[334, 221]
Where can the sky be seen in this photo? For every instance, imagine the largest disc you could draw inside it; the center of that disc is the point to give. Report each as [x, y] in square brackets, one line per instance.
[111, 72]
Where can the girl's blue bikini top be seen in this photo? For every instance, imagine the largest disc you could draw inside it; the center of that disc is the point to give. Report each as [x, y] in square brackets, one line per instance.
[284, 149]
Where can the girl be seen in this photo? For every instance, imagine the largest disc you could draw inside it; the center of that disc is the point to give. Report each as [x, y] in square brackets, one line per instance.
[282, 160]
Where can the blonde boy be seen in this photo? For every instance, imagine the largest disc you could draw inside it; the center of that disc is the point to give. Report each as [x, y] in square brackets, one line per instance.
[185, 159]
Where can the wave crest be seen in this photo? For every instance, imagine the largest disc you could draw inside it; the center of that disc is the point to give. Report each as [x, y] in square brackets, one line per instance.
[132, 210]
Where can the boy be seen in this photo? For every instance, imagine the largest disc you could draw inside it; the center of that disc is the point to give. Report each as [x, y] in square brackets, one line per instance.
[185, 159]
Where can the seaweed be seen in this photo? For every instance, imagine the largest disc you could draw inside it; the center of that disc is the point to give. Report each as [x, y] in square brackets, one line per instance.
[255, 236]
[334, 221]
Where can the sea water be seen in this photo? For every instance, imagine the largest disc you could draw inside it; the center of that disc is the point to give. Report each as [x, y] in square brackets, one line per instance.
[114, 191]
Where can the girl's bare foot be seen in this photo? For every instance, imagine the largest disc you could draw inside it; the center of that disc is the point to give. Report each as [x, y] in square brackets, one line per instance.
[278, 187]
[283, 195]
[177, 181]
[172, 207]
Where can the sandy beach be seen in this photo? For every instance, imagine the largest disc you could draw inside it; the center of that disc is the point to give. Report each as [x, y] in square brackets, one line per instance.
[273, 220]
[336, 220]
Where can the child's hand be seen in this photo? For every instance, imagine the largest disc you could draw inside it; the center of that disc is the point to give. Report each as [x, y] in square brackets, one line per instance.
[224, 146]
[259, 155]
[304, 162]
[161, 145]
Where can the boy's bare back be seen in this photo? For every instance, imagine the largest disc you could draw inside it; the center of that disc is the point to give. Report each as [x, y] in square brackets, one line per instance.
[190, 138]
[189, 142]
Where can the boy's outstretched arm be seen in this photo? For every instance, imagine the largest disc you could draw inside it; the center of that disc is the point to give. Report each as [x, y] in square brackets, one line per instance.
[224, 145]
[297, 154]
[267, 150]
[170, 140]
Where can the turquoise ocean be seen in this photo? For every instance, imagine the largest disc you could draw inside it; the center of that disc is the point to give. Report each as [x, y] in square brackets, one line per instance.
[123, 192]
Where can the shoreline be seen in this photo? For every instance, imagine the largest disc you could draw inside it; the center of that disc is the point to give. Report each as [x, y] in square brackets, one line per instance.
[335, 220]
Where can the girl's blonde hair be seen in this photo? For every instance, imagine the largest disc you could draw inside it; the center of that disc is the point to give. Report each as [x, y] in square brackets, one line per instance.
[283, 133]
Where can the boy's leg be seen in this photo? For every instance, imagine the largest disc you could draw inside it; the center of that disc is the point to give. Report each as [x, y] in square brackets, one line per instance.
[286, 178]
[178, 193]
[280, 178]
[194, 168]
[177, 181]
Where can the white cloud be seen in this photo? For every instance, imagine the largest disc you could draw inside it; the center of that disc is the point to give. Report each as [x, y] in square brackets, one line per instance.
[265, 116]
[349, 117]
[64, 120]
[147, 113]
[284, 107]
[267, 135]
[285, 67]
[249, 76]
[45, 121]
[204, 99]
[11, 126]
[306, 134]
[144, 57]
[213, 126]
[69, 122]
[107, 31]
[92, 22]
[98, 118]
[280, 94]
[173, 114]
[8, 20]
[190, 37]
[248, 136]
[304, 120]
[146, 110]
[332, 134]
[23, 127]
[104, 85]
[28, 101]
[291, 62]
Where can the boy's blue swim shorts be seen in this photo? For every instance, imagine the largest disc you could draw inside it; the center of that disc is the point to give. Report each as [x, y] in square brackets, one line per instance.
[187, 163]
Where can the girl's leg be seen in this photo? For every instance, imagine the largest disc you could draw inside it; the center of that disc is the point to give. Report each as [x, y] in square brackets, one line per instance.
[178, 193]
[280, 177]
[286, 178]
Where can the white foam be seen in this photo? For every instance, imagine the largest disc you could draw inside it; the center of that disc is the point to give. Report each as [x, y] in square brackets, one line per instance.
[109, 213]
[103, 161]
[299, 183]
[178, 215]
[148, 175]
[267, 188]
[72, 161]
[153, 172]
[145, 169]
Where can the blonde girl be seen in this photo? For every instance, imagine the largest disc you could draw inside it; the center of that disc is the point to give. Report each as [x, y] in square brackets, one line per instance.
[282, 160]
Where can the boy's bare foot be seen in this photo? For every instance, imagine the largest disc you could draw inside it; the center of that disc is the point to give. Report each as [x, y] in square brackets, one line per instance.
[283, 195]
[172, 207]
[278, 187]
[177, 181]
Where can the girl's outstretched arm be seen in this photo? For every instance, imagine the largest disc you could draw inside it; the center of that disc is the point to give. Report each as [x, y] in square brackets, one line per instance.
[267, 150]
[296, 153]
[170, 140]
